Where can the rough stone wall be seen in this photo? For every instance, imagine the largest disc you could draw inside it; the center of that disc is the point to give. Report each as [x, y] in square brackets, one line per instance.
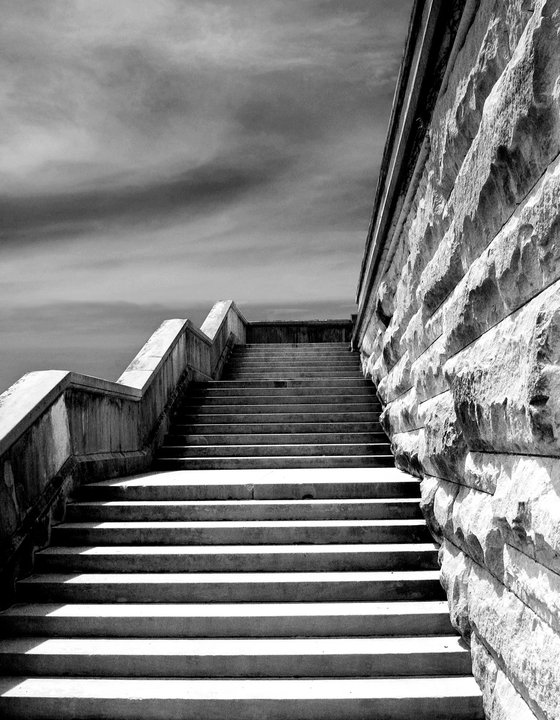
[464, 345]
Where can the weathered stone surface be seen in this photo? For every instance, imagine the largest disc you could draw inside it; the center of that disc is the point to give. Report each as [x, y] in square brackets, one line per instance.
[455, 572]
[444, 447]
[406, 448]
[505, 386]
[470, 332]
[401, 415]
[519, 639]
[501, 699]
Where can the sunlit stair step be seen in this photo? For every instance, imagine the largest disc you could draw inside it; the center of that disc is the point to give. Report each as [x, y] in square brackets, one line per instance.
[265, 484]
[238, 558]
[276, 462]
[244, 407]
[149, 510]
[295, 438]
[262, 450]
[354, 381]
[228, 620]
[278, 392]
[236, 657]
[260, 429]
[245, 532]
[196, 399]
[441, 698]
[232, 587]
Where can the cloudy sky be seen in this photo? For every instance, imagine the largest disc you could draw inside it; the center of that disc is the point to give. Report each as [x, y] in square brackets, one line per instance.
[156, 156]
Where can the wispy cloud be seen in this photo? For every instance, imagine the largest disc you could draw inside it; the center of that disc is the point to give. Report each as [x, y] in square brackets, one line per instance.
[172, 153]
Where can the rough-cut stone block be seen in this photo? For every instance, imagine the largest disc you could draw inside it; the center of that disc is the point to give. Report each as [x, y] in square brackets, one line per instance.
[444, 446]
[401, 415]
[520, 640]
[397, 382]
[526, 504]
[427, 372]
[501, 699]
[406, 448]
[455, 572]
[506, 385]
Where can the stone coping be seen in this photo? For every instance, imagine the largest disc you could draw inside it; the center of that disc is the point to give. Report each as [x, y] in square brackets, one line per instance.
[24, 402]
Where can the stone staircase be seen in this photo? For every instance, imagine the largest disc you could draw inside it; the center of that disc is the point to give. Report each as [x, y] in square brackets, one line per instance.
[281, 407]
[264, 569]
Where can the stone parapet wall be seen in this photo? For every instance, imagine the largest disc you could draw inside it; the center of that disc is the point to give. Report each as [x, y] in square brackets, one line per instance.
[58, 428]
[460, 331]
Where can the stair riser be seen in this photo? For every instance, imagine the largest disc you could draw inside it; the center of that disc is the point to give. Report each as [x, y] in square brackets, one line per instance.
[321, 665]
[278, 409]
[278, 400]
[353, 382]
[278, 417]
[248, 392]
[249, 535]
[212, 592]
[335, 461]
[334, 511]
[323, 359]
[237, 451]
[274, 439]
[283, 374]
[323, 364]
[279, 562]
[270, 429]
[158, 708]
[254, 491]
[184, 627]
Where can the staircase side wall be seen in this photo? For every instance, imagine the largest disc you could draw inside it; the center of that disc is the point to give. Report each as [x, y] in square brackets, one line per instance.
[300, 332]
[59, 428]
[459, 327]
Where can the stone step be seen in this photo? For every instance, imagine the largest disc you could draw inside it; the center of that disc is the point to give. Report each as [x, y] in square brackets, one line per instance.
[267, 364]
[241, 415]
[452, 698]
[326, 398]
[333, 356]
[279, 392]
[239, 451]
[200, 411]
[280, 352]
[293, 348]
[235, 657]
[281, 428]
[228, 620]
[241, 532]
[283, 462]
[283, 374]
[295, 438]
[356, 382]
[149, 510]
[296, 346]
[237, 558]
[408, 585]
[286, 484]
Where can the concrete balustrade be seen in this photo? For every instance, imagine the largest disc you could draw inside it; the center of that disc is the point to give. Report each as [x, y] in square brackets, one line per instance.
[59, 428]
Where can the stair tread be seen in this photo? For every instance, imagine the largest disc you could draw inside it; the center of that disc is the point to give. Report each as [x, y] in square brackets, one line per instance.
[378, 548]
[146, 524]
[264, 476]
[309, 578]
[246, 503]
[278, 446]
[447, 644]
[305, 609]
[239, 689]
